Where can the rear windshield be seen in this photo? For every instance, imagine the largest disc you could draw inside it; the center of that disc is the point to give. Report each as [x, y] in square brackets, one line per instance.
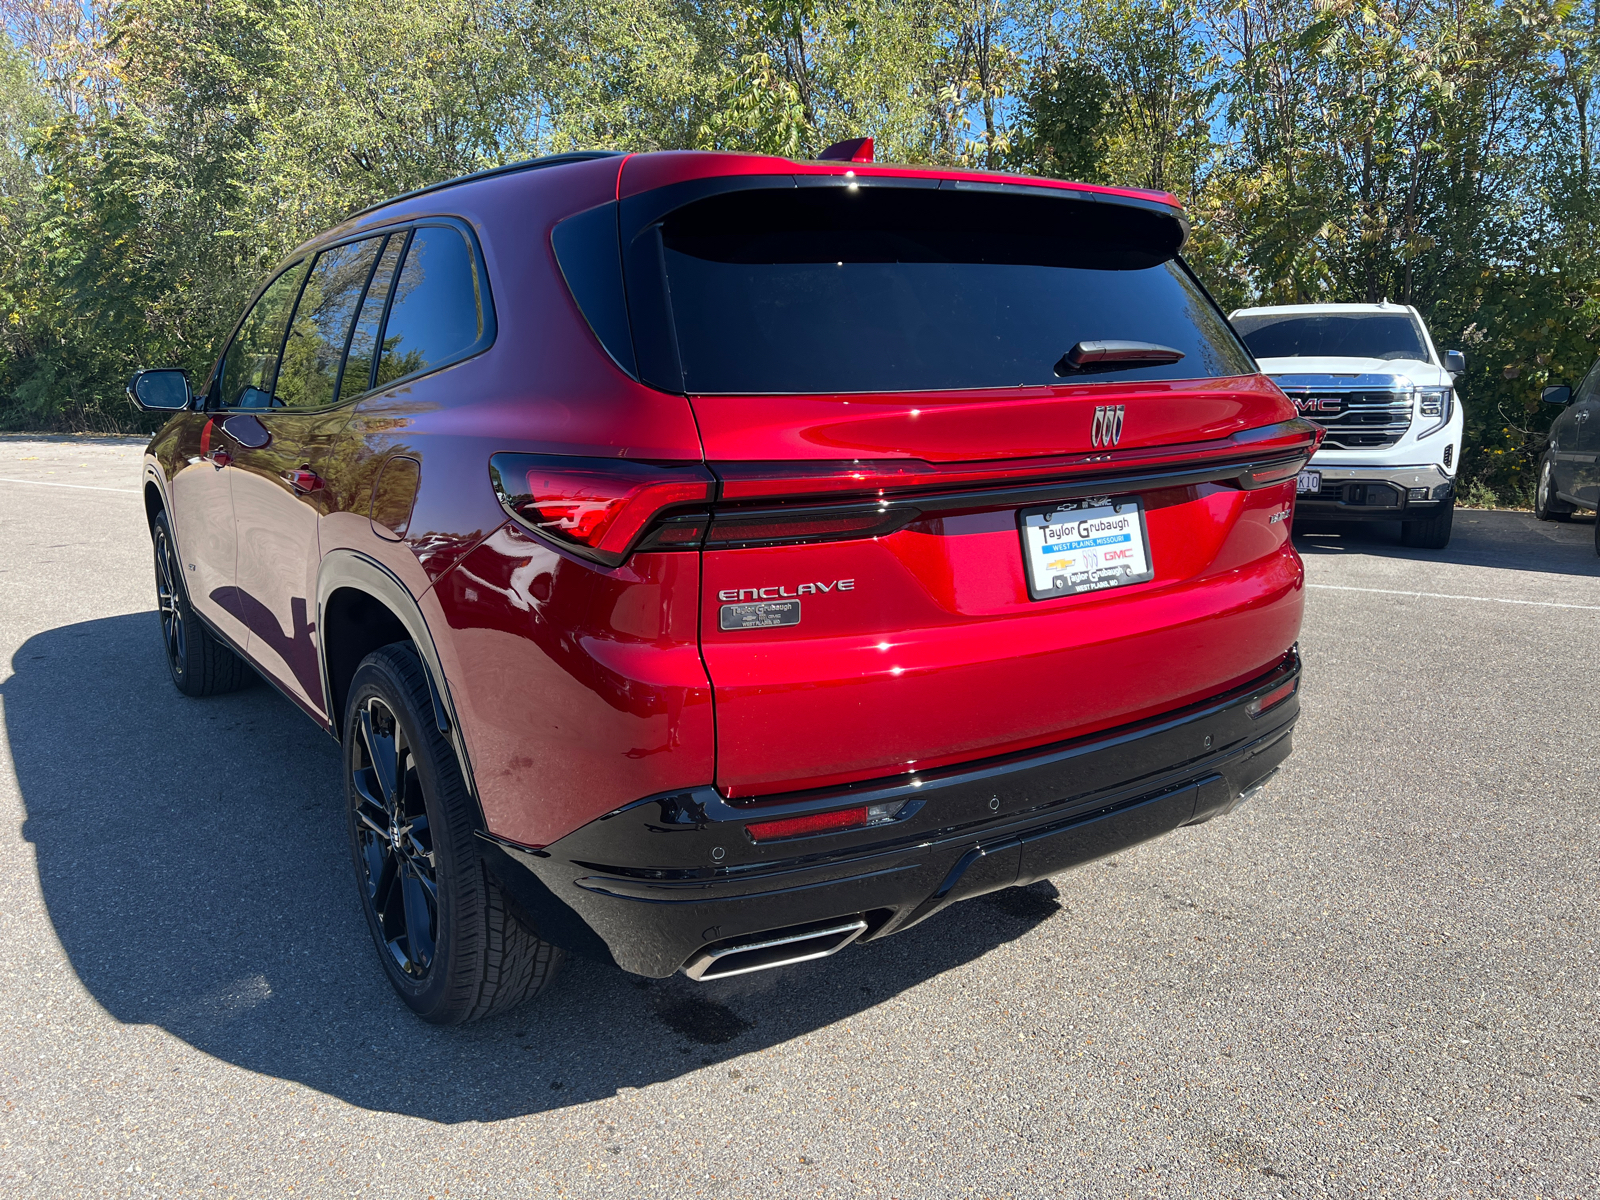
[892, 289]
[1327, 335]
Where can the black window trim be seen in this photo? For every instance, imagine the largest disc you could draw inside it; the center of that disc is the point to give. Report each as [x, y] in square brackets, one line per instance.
[210, 399]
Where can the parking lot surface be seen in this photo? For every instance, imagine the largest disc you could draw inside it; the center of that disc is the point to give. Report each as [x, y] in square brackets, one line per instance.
[1377, 979]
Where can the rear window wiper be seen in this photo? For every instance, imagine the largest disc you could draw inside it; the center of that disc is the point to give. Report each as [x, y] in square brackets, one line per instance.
[1088, 358]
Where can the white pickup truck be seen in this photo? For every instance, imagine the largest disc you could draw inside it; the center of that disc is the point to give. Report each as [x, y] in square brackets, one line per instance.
[1370, 376]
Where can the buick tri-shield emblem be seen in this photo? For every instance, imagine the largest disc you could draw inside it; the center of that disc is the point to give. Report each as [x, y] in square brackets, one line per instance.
[1106, 429]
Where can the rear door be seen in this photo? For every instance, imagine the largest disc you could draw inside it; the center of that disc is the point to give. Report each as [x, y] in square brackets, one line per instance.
[958, 515]
[279, 491]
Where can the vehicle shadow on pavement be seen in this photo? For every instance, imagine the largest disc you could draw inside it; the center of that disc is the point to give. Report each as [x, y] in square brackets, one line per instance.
[192, 857]
[1498, 538]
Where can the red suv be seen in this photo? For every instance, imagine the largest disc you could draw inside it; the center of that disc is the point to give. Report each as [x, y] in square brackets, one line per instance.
[709, 560]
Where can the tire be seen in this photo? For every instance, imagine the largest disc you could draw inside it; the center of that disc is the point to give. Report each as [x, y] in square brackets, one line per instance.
[1432, 533]
[447, 937]
[1545, 505]
[199, 662]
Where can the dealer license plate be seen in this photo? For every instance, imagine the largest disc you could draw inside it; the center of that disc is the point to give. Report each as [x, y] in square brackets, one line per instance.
[1085, 546]
[1308, 481]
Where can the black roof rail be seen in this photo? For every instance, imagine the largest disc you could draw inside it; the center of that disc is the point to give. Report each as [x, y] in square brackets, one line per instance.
[529, 164]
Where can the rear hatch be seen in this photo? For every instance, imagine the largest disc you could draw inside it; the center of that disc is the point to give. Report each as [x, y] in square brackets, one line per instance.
[955, 514]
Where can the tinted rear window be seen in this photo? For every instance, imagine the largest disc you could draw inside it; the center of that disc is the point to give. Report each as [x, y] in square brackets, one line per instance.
[892, 289]
[1329, 335]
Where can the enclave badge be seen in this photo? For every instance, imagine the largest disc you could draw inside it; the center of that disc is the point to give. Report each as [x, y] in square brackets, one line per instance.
[1106, 430]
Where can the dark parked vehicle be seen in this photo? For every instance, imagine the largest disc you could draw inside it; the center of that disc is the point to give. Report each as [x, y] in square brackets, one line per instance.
[1569, 469]
[708, 561]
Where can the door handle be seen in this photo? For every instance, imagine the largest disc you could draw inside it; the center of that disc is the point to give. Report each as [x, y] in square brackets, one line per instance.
[305, 480]
[221, 458]
[1583, 416]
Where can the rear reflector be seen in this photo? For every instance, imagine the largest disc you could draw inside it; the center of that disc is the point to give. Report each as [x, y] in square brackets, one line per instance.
[595, 507]
[843, 818]
[1272, 699]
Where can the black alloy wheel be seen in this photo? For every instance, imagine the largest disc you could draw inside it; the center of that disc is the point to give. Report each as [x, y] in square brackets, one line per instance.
[447, 935]
[198, 661]
[1545, 505]
[394, 845]
[168, 604]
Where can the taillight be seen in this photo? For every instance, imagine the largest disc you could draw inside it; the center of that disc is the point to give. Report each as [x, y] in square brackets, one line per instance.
[595, 507]
[1273, 698]
[1262, 475]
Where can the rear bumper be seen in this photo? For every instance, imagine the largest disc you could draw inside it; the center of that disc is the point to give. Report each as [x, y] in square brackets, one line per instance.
[651, 885]
[1375, 494]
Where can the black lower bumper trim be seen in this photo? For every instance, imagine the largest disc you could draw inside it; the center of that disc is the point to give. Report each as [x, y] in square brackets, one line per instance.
[649, 885]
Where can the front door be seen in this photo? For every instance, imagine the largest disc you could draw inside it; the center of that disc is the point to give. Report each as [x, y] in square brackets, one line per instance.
[201, 512]
[281, 484]
[1585, 456]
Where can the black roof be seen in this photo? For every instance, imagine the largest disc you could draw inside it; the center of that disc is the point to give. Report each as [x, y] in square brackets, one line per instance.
[530, 164]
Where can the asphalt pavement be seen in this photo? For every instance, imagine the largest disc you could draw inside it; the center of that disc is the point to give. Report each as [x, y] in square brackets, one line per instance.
[1377, 979]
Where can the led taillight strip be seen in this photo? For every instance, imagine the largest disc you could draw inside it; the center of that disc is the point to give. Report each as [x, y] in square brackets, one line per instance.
[605, 509]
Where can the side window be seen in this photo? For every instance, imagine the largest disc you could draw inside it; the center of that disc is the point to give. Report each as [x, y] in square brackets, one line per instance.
[321, 324]
[437, 311]
[250, 368]
[357, 376]
[1589, 389]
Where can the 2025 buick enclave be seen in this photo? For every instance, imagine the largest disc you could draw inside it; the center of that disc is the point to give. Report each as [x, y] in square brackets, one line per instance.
[707, 560]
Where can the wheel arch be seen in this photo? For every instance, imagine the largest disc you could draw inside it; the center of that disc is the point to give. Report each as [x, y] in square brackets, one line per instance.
[362, 605]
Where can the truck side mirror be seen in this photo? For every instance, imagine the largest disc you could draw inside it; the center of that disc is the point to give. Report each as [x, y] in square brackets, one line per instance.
[1455, 362]
[165, 390]
[1560, 394]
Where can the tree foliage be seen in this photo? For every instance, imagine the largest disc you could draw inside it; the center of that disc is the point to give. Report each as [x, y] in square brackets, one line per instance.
[157, 155]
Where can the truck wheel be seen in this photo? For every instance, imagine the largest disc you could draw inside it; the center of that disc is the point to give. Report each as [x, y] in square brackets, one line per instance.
[199, 663]
[1545, 505]
[1432, 533]
[446, 935]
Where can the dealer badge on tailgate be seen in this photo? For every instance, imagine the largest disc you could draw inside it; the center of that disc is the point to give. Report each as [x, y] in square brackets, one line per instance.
[1085, 546]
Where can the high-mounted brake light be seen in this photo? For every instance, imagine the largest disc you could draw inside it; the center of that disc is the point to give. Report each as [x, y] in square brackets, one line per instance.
[595, 507]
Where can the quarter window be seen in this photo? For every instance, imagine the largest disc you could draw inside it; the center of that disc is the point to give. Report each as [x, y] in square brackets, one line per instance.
[436, 313]
[309, 375]
[250, 368]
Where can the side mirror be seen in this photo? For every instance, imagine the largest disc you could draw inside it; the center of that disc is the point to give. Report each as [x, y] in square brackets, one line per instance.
[1455, 362]
[1557, 395]
[166, 390]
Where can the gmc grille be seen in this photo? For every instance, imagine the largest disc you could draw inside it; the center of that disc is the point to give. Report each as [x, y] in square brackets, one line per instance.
[1356, 420]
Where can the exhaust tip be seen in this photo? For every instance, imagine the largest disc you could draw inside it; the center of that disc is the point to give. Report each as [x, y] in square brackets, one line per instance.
[775, 948]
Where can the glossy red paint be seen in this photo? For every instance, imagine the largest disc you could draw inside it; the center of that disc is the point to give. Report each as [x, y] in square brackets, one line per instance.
[937, 655]
[645, 172]
[580, 688]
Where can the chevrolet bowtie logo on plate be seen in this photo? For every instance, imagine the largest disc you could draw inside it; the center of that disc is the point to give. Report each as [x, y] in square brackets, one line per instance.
[1107, 427]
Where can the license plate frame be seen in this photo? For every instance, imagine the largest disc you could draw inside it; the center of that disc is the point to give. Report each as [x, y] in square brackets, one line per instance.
[1063, 546]
[1307, 483]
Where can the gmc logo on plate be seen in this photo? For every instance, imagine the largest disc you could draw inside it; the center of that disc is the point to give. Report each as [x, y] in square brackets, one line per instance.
[1314, 405]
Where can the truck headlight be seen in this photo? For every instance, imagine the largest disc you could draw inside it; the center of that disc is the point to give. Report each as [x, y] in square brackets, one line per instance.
[1434, 406]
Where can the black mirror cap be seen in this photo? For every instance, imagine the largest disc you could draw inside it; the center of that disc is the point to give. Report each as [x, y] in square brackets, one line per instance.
[163, 390]
[1455, 362]
[1557, 394]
